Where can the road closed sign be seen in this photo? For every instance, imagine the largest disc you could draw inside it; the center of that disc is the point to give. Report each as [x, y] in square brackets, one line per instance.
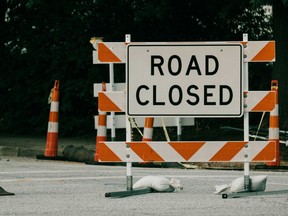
[200, 80]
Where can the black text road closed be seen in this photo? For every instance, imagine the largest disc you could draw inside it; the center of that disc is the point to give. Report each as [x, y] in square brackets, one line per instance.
[201, 80]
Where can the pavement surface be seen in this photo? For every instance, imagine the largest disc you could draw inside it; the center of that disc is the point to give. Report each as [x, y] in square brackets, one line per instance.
[51, 187]
[48, 187]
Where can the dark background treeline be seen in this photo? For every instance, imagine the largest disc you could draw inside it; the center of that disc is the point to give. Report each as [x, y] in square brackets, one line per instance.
[46, 40]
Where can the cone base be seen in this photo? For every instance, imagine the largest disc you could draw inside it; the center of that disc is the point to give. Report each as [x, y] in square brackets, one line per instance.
[44, 157]
[51, 153]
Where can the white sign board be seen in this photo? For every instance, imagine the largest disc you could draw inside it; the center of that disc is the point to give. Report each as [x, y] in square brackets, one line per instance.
[200, 80]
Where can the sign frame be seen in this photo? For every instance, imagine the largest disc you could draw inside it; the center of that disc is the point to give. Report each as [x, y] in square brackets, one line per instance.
[209, 45]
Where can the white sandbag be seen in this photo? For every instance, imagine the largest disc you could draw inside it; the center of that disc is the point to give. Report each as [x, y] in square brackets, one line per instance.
[237, 185]
[257, 183]
[158, 183]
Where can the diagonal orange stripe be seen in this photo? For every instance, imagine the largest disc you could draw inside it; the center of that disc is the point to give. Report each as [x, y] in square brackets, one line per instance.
[273, 121]
[228, 151]
[102, 120]
[268, 153]
[145, 152]
[105, 54]
[53, 117]
[106, 104]
[105, 153]
[267, 53]
[187, 149]
[149, 122]
[267, 103]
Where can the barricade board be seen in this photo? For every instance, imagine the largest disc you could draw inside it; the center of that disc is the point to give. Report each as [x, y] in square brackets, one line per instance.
[181, 151]
[115, 52]
[191, 151]
[259, 101]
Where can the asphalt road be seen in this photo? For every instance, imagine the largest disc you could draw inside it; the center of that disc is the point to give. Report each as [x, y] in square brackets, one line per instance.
[67, 188]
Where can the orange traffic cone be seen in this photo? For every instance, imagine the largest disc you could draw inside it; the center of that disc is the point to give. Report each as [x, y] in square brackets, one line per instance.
[102, 127]
[52, 133]
[274, 125]
[148, 129]
[148, 132]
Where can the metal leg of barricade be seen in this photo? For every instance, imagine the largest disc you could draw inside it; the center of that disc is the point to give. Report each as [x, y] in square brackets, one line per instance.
[247, 194]
[5, 193]
[246, 124]
[119, 194]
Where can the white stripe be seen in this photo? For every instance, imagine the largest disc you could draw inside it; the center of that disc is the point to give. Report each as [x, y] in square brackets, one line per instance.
[165, 151]
[275, 111]
[207, 151]
[148, 133]
[101, 131]
[54, 106]
[53, 127]
[273, 133]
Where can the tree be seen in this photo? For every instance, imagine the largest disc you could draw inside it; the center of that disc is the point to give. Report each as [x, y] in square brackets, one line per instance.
[280, 67]
[280, 35]
[55, 37]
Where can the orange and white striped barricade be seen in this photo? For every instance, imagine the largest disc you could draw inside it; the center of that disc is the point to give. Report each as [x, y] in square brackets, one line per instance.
[259, 51]
[102, 127]
[188, 151]
[51, 150]
[110, 52]
[115, 52]
[233, 151]
[274, 124]
[112, 101]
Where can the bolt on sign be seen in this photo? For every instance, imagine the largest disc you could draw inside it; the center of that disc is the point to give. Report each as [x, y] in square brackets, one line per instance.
[200, 80]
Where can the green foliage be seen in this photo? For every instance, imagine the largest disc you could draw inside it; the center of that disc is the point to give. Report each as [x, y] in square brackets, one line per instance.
[45, 40]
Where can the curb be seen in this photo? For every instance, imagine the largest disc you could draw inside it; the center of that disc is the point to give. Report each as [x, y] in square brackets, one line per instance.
[18, 152]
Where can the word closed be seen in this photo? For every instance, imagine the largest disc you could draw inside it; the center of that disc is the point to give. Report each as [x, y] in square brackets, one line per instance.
[184, 80]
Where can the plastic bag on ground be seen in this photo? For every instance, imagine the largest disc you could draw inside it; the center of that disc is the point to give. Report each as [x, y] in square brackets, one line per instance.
[222, 188]
[158, 183]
